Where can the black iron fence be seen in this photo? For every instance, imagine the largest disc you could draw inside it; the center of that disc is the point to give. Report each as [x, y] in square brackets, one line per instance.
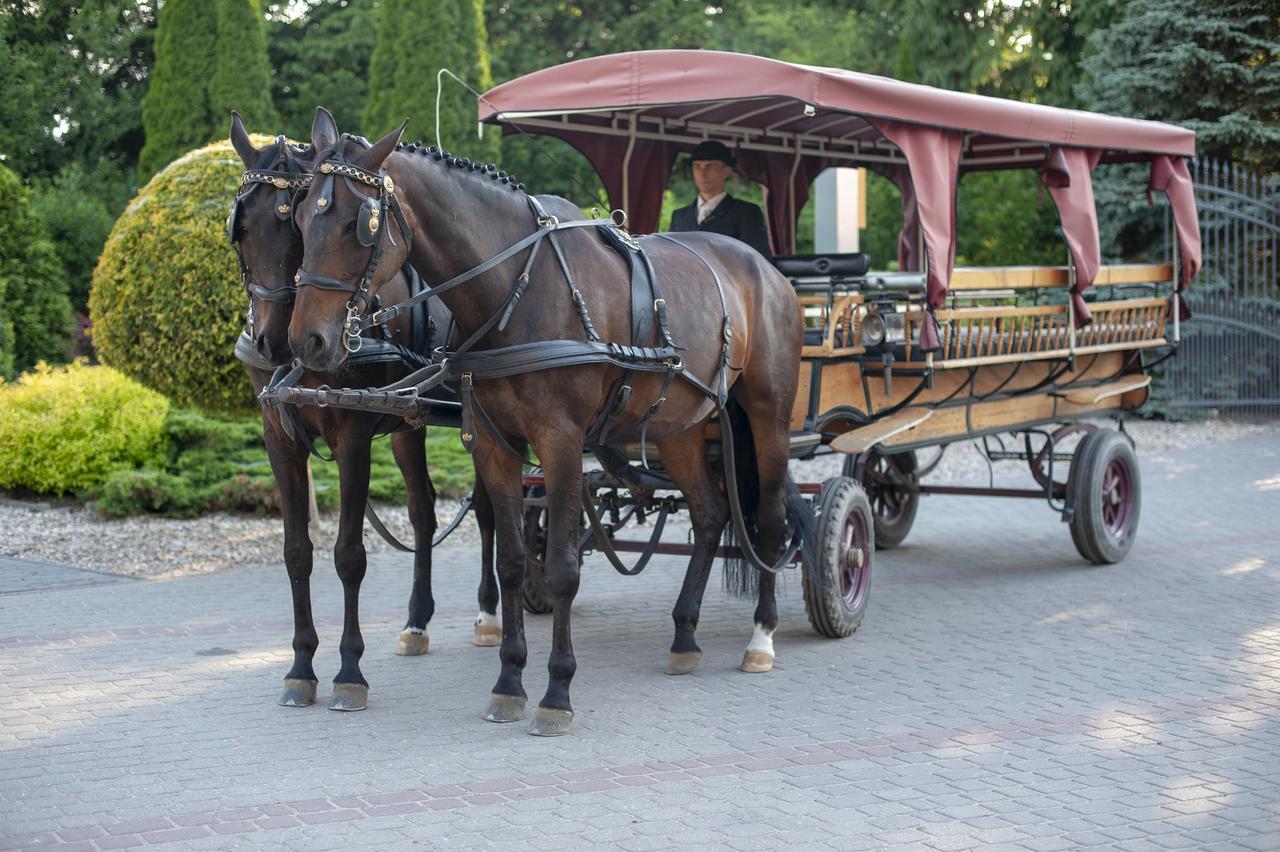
[1230, 354]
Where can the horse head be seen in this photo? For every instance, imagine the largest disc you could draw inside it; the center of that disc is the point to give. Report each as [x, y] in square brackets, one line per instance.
[260, 226]
[354, 241]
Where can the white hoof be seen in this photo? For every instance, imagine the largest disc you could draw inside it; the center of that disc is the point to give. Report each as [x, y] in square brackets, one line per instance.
[759, 655]
[488, 632]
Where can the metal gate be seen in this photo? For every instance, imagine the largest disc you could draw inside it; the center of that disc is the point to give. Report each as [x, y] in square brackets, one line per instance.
[1230, 353]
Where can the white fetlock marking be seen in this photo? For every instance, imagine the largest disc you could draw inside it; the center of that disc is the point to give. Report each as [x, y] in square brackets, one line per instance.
[761, 640]
[414, 631]
[487, 618]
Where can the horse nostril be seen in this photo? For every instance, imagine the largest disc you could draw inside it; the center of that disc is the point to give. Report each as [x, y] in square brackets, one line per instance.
[314, 344]
[263, 347]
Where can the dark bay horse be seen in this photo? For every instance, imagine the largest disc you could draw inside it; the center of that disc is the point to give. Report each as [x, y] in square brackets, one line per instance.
[271, 251]
[721, 298]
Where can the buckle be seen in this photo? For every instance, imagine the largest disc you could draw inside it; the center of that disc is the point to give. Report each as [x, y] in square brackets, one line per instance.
[659, 302]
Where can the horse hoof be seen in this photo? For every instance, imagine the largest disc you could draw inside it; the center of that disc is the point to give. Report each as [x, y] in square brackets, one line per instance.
[412, 644]
[548, 722]
[682, 662]
[757, 661]
[298, 693]
[349, 697]
[505, 708]
[487, 636]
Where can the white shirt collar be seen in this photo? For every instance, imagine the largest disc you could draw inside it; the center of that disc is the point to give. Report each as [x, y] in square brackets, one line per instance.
[706, 206]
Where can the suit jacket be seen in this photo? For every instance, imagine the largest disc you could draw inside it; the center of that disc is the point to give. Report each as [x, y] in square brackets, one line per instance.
[731, 217]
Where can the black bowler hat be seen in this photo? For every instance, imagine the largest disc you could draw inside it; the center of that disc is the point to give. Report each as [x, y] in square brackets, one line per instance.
[710, 149]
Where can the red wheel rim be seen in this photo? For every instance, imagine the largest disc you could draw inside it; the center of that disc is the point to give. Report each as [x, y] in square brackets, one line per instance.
[855, 561]
[1117, 497]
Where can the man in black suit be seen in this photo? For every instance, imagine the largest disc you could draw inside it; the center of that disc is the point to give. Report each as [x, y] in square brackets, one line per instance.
[715, 210]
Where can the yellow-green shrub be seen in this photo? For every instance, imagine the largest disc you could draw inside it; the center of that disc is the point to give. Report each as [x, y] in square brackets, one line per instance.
[64, 429]
[166, 301]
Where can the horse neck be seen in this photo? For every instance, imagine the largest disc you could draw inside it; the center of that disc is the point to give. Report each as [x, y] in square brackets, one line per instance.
[460, 219]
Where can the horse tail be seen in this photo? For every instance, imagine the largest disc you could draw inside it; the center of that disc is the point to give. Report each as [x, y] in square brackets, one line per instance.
[741, 578]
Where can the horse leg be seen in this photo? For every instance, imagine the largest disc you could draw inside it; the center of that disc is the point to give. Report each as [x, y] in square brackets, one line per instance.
[488, 630]
[350, 689]
[499, 472]
[684, 457]
[771, 431]
[562, 469]
[410, 450]
[289, 464]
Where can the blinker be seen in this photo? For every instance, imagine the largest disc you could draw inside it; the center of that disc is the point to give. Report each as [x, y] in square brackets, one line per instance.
[368, 222]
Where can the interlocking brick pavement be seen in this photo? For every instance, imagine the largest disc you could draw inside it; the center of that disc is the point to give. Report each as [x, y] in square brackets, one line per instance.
[1001, 693]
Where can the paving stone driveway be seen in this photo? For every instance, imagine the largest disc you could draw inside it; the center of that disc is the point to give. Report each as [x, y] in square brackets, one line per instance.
[1001, 692]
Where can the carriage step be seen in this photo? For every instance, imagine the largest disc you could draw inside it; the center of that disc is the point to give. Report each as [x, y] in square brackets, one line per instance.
[1096, 394]
[862, 439]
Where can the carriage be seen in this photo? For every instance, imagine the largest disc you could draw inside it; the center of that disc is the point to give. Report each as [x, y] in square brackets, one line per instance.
[1018, 357]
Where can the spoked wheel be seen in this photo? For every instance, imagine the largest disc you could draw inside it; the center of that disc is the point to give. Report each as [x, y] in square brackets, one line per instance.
[1040, 462]
[837, 589]
[890, 482]
[535, 591]
[1106, 492]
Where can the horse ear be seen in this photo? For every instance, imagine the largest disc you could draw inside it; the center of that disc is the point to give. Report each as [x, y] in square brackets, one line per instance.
[377, 154]
[324, 130]
[241, 142]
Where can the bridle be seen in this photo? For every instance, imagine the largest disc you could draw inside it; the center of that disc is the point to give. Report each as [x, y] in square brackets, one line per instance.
[369, 232]
[287, 175]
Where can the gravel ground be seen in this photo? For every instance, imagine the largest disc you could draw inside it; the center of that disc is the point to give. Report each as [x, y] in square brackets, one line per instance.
[161, 547]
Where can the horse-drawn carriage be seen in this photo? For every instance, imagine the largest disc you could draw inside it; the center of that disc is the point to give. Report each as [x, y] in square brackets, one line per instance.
[699, 405]
[928, 355]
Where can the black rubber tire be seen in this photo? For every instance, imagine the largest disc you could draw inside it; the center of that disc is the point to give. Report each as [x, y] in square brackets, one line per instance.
[1103, 532]
[535, 592]
[835, 606]
[893, 520]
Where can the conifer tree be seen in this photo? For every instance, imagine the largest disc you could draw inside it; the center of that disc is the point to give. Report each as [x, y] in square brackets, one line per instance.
[211, 57]
[1211, 67]
[416, 38]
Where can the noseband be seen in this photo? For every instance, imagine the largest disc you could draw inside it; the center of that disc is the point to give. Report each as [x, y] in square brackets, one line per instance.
[369, 231]
[286, 175]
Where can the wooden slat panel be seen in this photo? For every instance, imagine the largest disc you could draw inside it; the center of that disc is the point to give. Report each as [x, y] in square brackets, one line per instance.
[966, 278]
[1095, 395]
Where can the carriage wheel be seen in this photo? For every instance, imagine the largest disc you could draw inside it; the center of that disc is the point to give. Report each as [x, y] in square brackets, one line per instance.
[837, 589]
[535, 592]
[1039, 463]
[889, 481]
[1106, 491]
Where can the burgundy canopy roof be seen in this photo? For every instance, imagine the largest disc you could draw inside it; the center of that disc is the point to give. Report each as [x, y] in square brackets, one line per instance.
[630, 114]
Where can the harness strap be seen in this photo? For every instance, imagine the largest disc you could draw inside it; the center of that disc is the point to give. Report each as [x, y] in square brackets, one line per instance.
[605, 545]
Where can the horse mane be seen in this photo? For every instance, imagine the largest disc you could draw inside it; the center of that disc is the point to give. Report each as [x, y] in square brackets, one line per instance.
[463, 164]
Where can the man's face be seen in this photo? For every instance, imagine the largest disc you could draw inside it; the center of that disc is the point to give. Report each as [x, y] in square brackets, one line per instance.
[710, 176]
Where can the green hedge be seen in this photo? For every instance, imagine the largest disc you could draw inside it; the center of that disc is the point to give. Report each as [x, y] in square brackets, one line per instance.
[67, 429]
[166, 302]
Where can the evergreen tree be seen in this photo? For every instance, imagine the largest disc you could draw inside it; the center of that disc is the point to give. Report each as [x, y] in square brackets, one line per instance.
[35, 314]
[1207, 66]
[210, 58]
[416, 38]
[322, 57]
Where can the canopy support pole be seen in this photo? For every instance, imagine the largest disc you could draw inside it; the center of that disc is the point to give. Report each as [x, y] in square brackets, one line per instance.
[626, 166]
[1071, 305]
[791, 194]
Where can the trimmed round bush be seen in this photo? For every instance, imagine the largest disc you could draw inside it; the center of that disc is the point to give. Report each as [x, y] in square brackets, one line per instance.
[66, 429]
[166, 302]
